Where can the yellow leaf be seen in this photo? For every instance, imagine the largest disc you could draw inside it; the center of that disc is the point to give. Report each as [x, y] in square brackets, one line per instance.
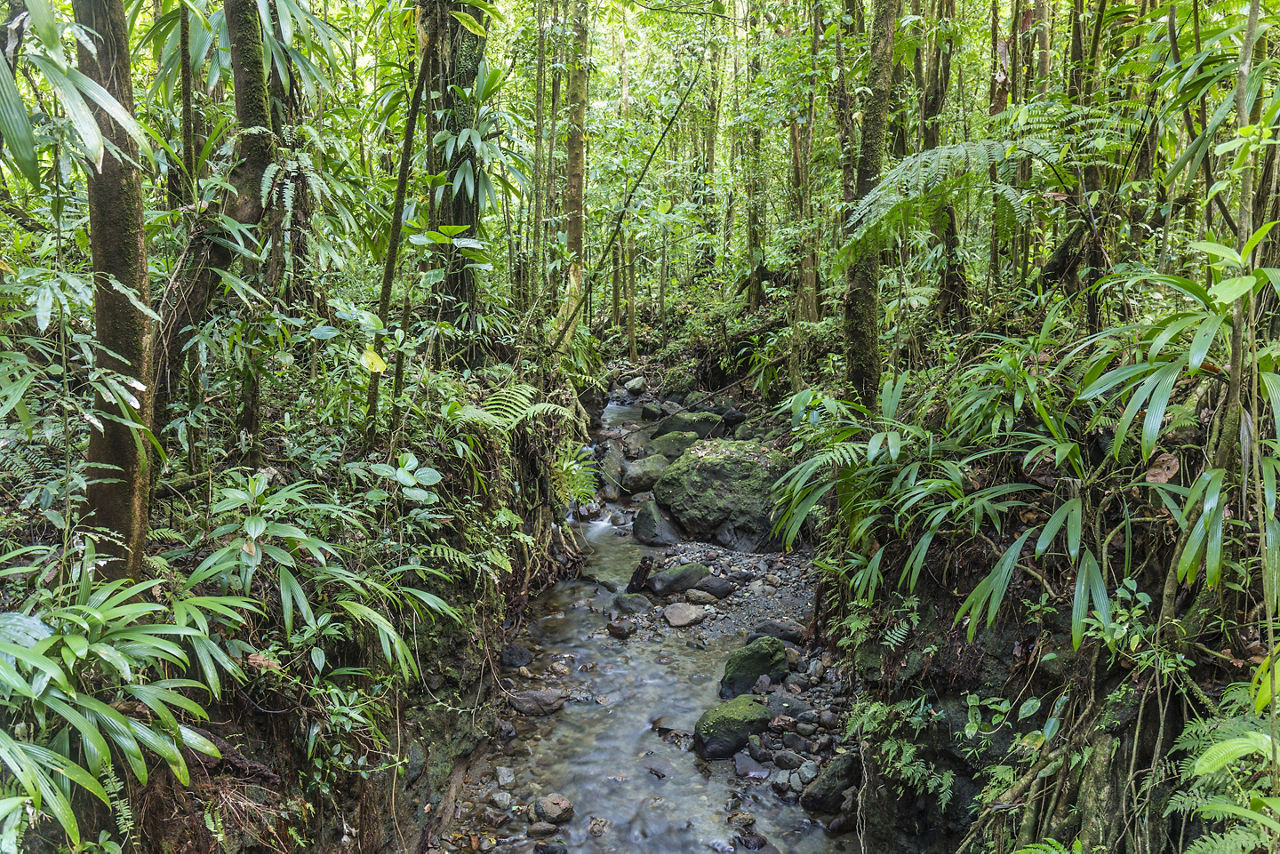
[5, 267]
[373, 362]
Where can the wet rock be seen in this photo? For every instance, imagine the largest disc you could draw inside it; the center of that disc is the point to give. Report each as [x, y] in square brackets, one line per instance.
[749, 841]
[611, 470]
[555, 808]
[549, 848]
[740, 819]
[762, 657]
[723, 490]
[514, 656]
[633, 445]
[724, 729]
[632, 603]
[653, 527]
[826, 792]
[787, 630]
[807, 772]
[682, 614]
[677, 579]
[747, 767]
[636, 386]
[501, 800]
[543, 701]
[788, 760]
[672, 445]
[758, 751]
[781, 783]
[717, 586]
[704, 424]
[642, 474]
[700, 597]
[621, 629]
[541, 828]
[651, 412]
[495, 818]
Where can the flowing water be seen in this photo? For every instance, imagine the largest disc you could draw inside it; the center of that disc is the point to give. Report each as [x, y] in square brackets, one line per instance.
[636, 790]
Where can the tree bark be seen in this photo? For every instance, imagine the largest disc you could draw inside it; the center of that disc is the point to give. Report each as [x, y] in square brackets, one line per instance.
[184, 306]
[575, 172]
[862, 298]
[119, 490]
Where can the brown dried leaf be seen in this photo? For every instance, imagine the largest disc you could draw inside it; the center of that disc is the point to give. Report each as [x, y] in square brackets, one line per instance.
[1163, 469]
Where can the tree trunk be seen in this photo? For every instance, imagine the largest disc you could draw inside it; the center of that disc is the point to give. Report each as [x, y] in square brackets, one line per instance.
[184, 305]
[575, 170]
[119, 490]
[862, 298]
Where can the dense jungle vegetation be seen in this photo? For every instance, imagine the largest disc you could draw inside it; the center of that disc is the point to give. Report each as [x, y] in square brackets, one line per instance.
[306, 309]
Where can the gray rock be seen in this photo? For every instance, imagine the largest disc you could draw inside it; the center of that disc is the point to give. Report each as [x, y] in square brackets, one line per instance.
[797, 742]
[807, 772]
[631, 603]
[652, 527]
[621, 629]
[787, 630]
[541, 828]
[723, 730]
[611, 470]
[702, 423]
[641, 475]
[544, 701]
[505, 776]
[717, 586]
[828, 719]
[806, 729]
[636, 386]
[501, 800]
[747, 767]
[788, 760]
[677, 579]
[682, 614]
[650, 412]
[762, 657]
[514, 656]
[555, 808]
[826, 792]
[700, 597]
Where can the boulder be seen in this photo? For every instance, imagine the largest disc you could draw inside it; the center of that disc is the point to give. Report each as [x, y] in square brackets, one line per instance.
[682, 614]
[636, 386]
[672, 445]
[677, 579]
[787, 630]
[514, 656]
[641, 475]
[633, 445]
[718, 586]
[722, 490]
[762, 657]
[826, 792]
[631, 603]
[541, 702]
[651, 412]
[702, 423]
[652, 527]
[724, 729]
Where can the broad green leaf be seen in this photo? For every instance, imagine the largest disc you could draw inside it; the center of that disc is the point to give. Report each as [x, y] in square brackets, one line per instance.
[469, 23]
[15, 127]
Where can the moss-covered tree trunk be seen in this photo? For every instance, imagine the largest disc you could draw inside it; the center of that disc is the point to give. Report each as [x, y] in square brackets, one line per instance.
[862, 298]
[119, 484]
[184, 307]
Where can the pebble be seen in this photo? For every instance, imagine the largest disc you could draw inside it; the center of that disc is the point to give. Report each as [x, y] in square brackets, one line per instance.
[501, 800]
[621, 629]
[541, 828]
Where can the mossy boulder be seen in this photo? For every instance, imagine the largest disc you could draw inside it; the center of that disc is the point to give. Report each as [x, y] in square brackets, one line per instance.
[766, 656]
[702, 423]
[722, 490]
[678, 579]
[641, 475]
[724, 729]
[672, 445]
[826, 793]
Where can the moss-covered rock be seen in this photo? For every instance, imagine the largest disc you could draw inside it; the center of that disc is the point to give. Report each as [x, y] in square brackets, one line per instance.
[672, 445]
[641, 475]
[653, 527]
[702, 423]
[766, 656]
[723, 730]
[722, 490]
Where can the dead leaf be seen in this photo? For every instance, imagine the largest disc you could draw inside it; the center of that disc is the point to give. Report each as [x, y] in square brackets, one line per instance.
[1163, 469]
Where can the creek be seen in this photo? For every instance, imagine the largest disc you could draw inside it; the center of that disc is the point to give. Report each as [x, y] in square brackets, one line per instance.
[616, 748]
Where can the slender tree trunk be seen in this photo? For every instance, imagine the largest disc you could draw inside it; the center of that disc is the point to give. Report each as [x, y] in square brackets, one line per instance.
[393, 246]
[755, 174]
[862, 298]
[575, 168]
[119, 489]
[184, 306]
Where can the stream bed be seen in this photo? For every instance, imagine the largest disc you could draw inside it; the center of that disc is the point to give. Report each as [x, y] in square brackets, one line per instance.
[619, 750]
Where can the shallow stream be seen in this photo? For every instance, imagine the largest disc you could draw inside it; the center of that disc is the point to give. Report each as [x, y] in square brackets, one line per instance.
[632, 789]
